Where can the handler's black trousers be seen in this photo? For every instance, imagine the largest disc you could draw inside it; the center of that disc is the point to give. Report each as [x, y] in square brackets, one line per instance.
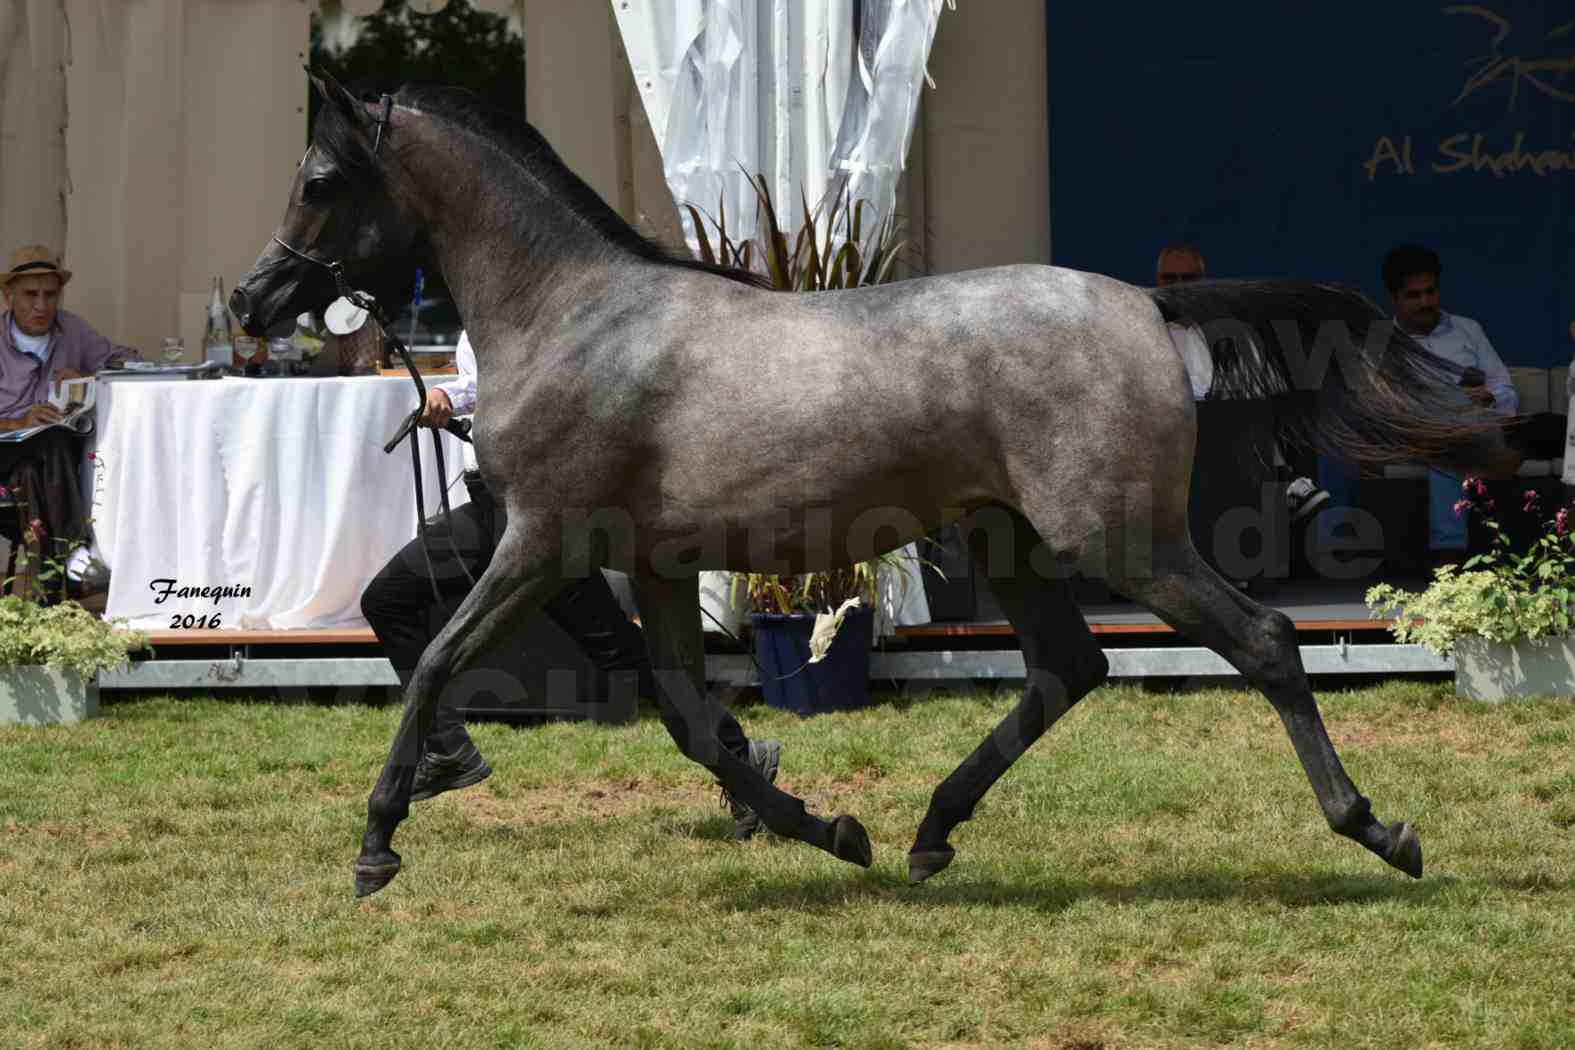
[398, 604]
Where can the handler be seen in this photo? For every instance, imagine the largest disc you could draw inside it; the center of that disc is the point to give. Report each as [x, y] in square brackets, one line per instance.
[398, 604]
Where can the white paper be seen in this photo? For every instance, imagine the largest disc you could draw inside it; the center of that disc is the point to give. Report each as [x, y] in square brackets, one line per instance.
[343, 317]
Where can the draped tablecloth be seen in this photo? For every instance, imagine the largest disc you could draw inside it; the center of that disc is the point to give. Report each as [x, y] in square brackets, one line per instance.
[269, 502]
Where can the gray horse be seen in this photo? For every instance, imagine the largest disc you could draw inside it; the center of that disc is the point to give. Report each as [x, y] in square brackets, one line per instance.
[665, 416]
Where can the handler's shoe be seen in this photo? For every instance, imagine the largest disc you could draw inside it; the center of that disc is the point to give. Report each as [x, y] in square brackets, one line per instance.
[766, 757]
[1304, 499]
[437, 773]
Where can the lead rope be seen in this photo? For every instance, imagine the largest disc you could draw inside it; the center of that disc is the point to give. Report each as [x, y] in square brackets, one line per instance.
[460, 428]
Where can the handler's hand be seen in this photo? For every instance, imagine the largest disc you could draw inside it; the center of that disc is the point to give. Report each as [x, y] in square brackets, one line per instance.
[39, 414]
[438, 411]
[1481, 395]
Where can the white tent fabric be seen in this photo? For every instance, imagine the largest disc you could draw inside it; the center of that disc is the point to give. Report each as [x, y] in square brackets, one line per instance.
[817, 96]
[789, 89]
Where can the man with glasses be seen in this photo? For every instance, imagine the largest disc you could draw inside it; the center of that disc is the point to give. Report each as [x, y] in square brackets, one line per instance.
[1182, 263]
[1412, 275]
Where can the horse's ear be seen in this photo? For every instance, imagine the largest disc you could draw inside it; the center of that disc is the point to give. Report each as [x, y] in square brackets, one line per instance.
[334, 93]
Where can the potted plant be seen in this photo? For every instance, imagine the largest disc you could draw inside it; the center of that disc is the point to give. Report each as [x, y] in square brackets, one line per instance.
[50, 657]
[799, 670]
[1505, 614]
[813, 633]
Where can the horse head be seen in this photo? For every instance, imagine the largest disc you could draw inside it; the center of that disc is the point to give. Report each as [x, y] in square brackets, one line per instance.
[342, 212]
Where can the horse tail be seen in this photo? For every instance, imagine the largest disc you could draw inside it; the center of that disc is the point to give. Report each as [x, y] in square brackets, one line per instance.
[1345, 379]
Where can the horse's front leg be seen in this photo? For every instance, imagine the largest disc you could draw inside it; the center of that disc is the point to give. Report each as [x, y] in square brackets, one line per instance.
[523, 574]
[670, 614]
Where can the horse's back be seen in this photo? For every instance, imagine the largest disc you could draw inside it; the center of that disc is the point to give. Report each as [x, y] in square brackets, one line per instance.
[997, 385]
[1023, 385]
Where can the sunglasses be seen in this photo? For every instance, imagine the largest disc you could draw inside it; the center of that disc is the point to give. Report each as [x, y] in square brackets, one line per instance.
[1179, 277]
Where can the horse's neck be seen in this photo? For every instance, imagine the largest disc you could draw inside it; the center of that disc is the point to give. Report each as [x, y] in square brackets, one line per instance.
[503, 241]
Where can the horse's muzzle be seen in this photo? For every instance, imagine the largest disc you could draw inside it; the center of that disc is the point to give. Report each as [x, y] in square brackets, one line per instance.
[241, 307]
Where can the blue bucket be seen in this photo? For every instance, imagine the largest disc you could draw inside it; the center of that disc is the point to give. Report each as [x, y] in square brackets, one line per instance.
[840, 682]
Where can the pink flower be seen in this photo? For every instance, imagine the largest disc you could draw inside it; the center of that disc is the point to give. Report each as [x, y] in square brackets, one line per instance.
[5, 493]
[1530, 502]
[1481, 487]
[1466, 485]
[37, 527]
[1461, 507]
[1561, 521]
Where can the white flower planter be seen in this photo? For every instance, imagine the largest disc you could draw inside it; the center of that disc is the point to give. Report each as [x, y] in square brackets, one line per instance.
[41, 696]
[1487, 670]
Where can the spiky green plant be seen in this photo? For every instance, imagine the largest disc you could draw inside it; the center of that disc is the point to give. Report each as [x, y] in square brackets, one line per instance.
[841, 258]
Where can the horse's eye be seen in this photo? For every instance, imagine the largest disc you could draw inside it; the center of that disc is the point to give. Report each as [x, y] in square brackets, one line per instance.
[317, 189]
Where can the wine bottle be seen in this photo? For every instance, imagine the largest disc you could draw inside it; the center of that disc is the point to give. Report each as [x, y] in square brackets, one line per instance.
[218, 341]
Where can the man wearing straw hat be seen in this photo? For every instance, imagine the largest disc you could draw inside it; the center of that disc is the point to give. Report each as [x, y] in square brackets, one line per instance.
[41, 344]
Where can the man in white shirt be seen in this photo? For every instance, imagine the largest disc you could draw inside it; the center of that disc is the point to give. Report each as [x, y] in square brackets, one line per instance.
[398, 604]
[1412, 275]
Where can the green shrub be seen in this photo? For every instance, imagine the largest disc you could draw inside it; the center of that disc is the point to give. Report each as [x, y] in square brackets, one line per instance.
[1505, 595]
[64, 636]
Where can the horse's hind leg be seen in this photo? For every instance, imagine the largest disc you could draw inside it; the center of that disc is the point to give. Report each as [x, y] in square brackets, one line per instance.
[1261, 644]
[670, 614]
[521, 575]
[1064, 663]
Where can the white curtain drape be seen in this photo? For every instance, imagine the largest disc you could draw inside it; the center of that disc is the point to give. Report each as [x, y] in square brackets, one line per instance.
[795, 90]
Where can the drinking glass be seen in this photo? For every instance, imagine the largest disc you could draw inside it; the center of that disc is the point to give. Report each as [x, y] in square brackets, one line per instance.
[172, 349]
[246, 355]
[282, 357]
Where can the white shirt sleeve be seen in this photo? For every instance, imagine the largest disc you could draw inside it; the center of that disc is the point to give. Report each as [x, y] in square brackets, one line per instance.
[1506, 400]
[461, 390]
[1194, 350]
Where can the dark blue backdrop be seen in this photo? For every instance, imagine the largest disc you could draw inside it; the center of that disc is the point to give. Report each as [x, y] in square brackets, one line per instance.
[1305, 142]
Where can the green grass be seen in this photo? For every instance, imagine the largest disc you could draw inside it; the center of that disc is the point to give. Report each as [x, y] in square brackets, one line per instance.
[1154, 874]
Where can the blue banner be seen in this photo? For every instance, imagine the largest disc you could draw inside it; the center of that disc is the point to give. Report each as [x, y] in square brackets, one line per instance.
[1307, 141]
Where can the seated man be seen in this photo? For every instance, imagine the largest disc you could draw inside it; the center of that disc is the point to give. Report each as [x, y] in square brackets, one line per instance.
[398, 603]
[1412, 277]
[1181, 264]
[40, 344]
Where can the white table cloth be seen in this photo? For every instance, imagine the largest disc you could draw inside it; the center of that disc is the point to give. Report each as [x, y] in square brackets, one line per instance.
[278, 487]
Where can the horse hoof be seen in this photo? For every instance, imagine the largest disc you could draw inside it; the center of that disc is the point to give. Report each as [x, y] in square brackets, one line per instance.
[924, 863]
[1406, 852]
[373, 875]
[850, 842]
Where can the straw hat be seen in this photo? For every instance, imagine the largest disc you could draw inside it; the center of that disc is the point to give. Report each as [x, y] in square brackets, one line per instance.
[32, 261]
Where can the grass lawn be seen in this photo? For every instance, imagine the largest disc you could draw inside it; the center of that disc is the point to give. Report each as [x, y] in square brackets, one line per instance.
[1155, 873]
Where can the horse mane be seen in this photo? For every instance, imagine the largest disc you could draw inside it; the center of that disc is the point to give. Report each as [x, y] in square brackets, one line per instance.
[520, 141]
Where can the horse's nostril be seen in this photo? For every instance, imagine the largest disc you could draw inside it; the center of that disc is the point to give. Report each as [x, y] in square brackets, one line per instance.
[241, 307]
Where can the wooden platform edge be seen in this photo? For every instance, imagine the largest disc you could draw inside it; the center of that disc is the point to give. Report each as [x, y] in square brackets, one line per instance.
[350, 636]
[1004, 630]
[364, 635]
